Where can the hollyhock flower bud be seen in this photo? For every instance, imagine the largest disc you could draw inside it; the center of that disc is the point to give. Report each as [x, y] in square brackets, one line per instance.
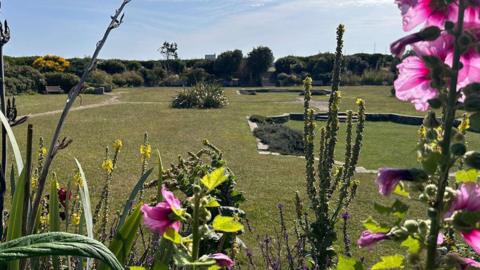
[431, 121]
[428, 34]
[222, 260]
[388, 178]
[162, 216]
[368, 239]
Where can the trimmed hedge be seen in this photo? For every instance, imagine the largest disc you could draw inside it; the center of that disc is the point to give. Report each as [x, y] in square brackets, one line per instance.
[280, 139]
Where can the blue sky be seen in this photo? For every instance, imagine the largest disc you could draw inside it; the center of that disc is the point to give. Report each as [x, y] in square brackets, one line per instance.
[301, 27]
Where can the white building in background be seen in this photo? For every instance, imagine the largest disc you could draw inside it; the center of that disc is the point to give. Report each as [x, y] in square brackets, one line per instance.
[210, 57]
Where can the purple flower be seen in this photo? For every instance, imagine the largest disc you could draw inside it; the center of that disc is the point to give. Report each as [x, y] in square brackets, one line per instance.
[346, 215]
[159, 218]
[368, 238]
[388, 178]
[222, 260]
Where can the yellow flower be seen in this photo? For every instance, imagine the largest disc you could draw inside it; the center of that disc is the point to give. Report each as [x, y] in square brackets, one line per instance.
[34, 182]
[76, 218]
[117, 144]
[422, 132]
[308, 81]
[42, 151]
[107, 165]
[360, 102]
[465, 124]
[146, 151]
[77, 179]
[44, 219]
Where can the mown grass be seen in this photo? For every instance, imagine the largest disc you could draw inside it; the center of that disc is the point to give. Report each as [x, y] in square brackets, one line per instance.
[266, 180]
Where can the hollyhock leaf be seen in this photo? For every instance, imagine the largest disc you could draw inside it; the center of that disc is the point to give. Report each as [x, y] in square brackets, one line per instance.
[430, 162]
[172, 235]
[346, 263]
[214, 179]
[400, 191]
[398, 209]
[390, 262]
[212, 202]
[465, 221]
[413, 245]
[226, 224]
[375, 227]
[467, 176]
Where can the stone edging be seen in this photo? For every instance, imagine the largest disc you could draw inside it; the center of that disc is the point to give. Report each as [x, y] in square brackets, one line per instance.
[262, 149]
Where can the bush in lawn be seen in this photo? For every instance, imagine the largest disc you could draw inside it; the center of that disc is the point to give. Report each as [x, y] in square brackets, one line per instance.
[51, 63]
[202, 95]
[112, 66]
[280, 139]
[284, 79]
[128, 79]
[65, 80]
[21, 79]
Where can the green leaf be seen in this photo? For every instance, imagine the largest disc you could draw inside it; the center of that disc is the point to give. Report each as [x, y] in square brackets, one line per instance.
[137, 268]
[467, 176]
[57, 244]
[122, 242]
[212, 202]
[87, 208]
[15, 221]
[465, 221]
[131, 198]
[398, 209]
[413, 245]
[172, 235]
[346, 263]
[430, 163]
[475, 122]
[226, 224]
[390, 262]
[214, 179]
[375, 227]
[401, 191]
[13, 142]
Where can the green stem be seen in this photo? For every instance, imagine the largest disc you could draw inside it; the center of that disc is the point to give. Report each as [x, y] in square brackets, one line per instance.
[195, 229]
[435, 213]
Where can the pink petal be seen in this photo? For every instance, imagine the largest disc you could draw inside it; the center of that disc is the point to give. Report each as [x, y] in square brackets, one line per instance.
[472, 238]
[170, 198]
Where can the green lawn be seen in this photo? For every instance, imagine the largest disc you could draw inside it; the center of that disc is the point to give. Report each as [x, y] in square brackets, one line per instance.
[266, 180]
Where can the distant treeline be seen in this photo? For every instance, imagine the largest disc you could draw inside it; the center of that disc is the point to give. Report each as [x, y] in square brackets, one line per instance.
[231, 68]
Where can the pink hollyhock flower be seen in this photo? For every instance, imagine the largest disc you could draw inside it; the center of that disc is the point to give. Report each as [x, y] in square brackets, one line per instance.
[159, 218]
[222, 260]
[388, 179]
[470, 264]
[368, 239]
[468, 199]
[428, 12]
[472, 238]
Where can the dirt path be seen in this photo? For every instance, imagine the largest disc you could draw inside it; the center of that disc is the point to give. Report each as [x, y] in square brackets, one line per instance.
[113, 100]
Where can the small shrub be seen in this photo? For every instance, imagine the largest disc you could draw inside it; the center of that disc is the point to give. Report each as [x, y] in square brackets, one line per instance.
[112, 66]
[258, 119]
[153, 77]
[65, 80]
[280, 139]
[196, 75]
[201, 95]
[99, 77]
[128, 79]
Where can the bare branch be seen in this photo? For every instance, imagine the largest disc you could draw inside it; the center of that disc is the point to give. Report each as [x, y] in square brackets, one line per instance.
[72, 95]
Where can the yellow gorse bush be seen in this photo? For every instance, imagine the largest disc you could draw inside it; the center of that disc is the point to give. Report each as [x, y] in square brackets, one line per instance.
[51, 63]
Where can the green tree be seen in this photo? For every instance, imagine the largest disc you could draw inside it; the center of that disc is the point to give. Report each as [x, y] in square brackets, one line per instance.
[112, 66]
[228, 63]
[259, 60]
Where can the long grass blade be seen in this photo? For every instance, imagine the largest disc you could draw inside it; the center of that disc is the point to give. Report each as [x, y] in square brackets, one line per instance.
[13, 142]
[131, 198]
[14, 229]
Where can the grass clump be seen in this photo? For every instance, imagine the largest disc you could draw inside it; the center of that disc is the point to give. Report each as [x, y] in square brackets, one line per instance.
[280, 139]
[202, 95]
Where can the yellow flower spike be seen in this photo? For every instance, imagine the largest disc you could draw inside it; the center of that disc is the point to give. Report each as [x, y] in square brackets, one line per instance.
[360, 102]
[77, 179]
[465, 124]
[107, 165]
[146, 151]
[34, 182]
[44, 219]
[422, 132]
[117, 144]
[76, 218]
